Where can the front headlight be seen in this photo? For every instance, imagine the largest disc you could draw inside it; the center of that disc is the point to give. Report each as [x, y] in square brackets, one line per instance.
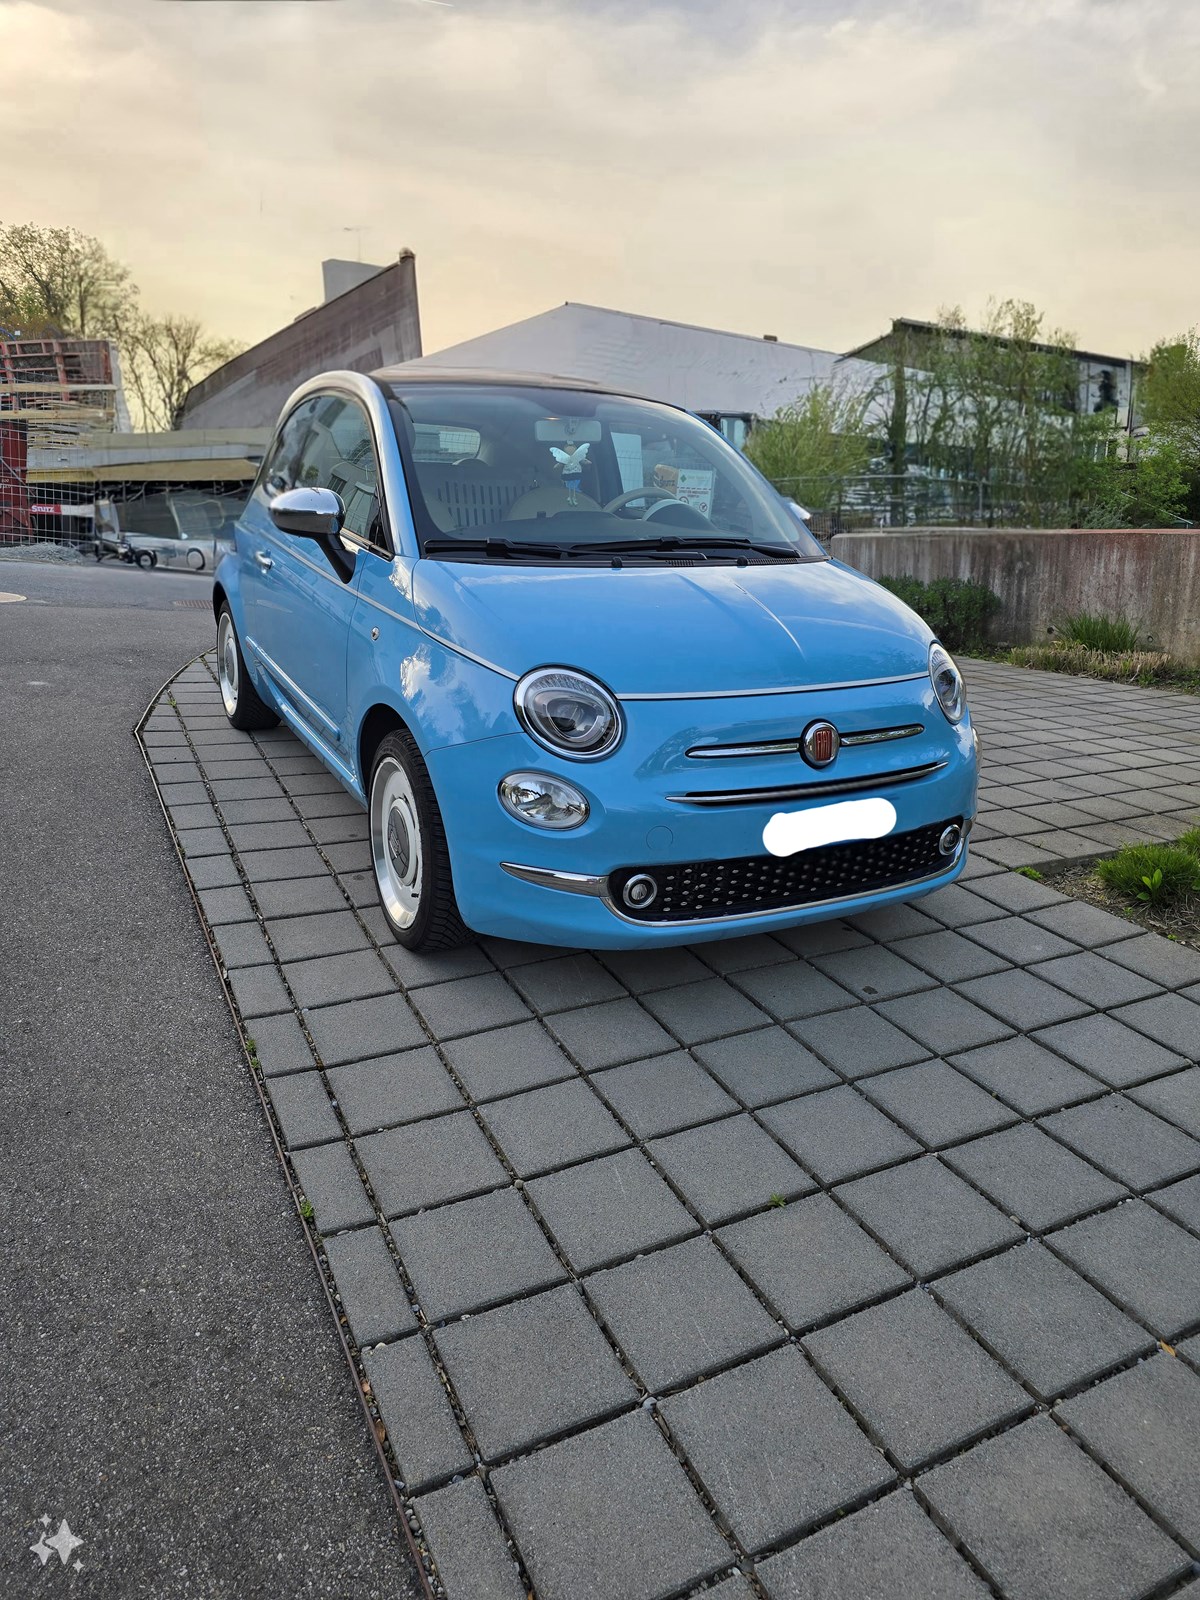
[568, 713]
[542, 801]
[947, 683]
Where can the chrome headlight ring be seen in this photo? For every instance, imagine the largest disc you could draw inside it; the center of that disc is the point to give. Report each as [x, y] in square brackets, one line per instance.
[569, 713]
[947, 683]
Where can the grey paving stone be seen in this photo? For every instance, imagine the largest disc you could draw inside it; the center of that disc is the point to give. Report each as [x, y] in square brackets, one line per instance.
[280, 1045]
[1158, 959]
[259, 991]
[505, 1060]
[346, 858]
[1142, 1260]
[680, 1312]
[245, 789]
[922, 1385]
[416, 1413]
[1032, 1177]
[957, 907]
[225, 904]
[1026, 1075]
[889, 1551]
[609, 1515]
[742, 953]
[766, 1065]
[944, 1021]
[895, 922]
[663, 1093]
[1145, 1423]
[574, 980]
[837, 1134]
[527, 1371]
[469, 1005]
[1095, 979]
[273, 866]
[242, 944]
[181, 794]
[302, 1106]
[874, 972]
[475, 1253]
[508, 953]
[950, 957]
[1172, 1020]
[1016, 893]
[468, 1548]
[793, 989]
[213, 872]
[372, 1294]
[1022, 1000]
[1046, 1521]
[1084, 924]
[773, 1447]
[605, 1035]
[1110, 1051]
[197, 815]
[268, 835]
[362, 1028]
[333, 1187]
[1181, 1201]
[554, 1125]
[415, 968]
[729, 1167]
[820, 938]
[811, 1260]
[298, 897]
[644, 970]
[359, 888]
[427, 1163]
[935, 1103]
[927, 1216]
[276, 810]
[1128, 1142]
[700, 1011]
[858, 1042]
[329, 980]
[389, 1090]
[609, 1208]
[342, 827]
[1042, 1319]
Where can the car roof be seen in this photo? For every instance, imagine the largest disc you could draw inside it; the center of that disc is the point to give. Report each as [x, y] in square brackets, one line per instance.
[405, 375]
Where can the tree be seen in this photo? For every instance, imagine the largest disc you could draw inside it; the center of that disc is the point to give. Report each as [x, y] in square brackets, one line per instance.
[1145, 487]
[809, 446]
[1169, 402]
[58, 280]
[162, 358]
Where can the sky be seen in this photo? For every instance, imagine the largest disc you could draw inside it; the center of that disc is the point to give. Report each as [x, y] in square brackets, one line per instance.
[810, 170]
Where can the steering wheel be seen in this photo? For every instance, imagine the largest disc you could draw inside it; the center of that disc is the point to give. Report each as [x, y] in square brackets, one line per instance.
[623, 500]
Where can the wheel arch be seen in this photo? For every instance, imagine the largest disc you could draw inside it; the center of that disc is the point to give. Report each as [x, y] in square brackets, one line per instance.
[380, 720]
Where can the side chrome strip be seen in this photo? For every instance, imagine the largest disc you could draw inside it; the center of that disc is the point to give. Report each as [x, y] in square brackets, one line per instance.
[805, 791]
[548, 878]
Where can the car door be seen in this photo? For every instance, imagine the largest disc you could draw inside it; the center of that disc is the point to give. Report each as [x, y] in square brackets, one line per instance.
[302, 606]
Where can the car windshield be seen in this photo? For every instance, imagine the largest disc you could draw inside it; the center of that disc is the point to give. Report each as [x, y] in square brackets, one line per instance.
[499, 471]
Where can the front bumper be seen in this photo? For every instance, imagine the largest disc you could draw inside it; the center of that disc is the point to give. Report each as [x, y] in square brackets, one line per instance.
[638, 818]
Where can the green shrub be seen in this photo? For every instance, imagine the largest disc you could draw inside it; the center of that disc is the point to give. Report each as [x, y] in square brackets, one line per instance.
[1097, 632]
[957, 610]
[1156, 874]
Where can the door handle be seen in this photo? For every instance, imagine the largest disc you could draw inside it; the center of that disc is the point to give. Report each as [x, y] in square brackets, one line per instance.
[263, 560]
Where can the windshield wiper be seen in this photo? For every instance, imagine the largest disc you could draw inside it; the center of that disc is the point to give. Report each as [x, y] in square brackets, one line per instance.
[675, 544]
[492, 547]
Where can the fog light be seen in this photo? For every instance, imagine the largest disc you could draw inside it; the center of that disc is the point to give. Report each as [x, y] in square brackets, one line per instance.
[948, 843]
[639, 892]
[542, 801]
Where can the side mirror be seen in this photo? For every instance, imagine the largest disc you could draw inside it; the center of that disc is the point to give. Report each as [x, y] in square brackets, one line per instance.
[308, 513]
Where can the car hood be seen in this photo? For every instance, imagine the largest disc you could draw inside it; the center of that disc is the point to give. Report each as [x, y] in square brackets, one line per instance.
[672, 630]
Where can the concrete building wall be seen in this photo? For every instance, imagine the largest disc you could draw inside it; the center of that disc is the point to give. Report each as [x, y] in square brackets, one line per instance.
[374, 324]
[1149, 576]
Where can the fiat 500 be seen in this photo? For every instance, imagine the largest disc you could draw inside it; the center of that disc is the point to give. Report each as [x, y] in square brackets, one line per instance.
[593, 680]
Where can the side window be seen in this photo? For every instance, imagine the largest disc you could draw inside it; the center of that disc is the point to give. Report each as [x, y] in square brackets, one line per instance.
[339, 454]
[282, 463]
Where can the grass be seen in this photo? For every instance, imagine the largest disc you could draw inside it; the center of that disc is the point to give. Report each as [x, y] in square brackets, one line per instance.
[1094, 631]
[1155, 874]
[306, 1209]
[1149, 668]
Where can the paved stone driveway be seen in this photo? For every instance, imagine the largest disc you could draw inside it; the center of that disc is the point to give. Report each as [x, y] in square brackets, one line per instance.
[842, 1263]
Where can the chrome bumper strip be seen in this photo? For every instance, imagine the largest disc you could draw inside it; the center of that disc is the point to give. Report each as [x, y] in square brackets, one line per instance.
[805, 791]
[791, 747]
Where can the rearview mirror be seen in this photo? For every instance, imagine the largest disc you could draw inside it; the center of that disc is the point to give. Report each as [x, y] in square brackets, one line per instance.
[308, 513]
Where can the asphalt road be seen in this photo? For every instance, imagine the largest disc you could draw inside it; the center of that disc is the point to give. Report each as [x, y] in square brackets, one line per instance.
[170, 1378]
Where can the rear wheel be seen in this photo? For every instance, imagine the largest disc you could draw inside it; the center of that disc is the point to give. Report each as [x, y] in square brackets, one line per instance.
[408, 850]
[244, 706]
[145, 558]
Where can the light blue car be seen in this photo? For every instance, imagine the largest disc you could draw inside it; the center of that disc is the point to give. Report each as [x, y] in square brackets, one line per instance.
[591, 677]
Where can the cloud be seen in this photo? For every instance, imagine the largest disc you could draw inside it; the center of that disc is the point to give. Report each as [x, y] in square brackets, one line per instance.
[810, 172]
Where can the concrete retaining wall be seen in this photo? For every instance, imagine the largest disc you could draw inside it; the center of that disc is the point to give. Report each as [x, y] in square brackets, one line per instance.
[1148, 576]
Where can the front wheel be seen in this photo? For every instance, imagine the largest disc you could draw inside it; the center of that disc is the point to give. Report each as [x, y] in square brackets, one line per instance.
[408, 850]
[244, 706]
[145, 559]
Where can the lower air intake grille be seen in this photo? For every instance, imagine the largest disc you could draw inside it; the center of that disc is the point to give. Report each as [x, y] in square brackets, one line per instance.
[702, 889]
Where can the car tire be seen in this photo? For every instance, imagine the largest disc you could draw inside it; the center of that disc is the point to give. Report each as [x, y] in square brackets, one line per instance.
[145, 559]
[408, 850]
[195, 560]
[244, 707]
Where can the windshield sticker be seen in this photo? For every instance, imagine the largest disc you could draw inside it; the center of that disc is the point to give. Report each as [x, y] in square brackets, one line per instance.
[789, 832]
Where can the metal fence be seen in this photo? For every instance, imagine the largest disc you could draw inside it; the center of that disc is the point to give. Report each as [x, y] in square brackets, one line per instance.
[891, 500]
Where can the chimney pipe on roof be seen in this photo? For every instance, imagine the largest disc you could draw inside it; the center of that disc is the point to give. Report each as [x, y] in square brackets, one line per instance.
[771, 338]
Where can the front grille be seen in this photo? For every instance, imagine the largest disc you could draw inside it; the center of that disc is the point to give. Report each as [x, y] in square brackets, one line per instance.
[734, 888]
